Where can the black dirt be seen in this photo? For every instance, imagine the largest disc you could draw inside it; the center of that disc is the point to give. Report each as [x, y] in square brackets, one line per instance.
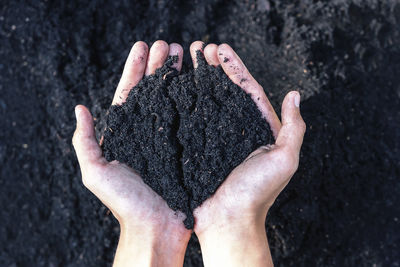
[340, 209]
[184, 134]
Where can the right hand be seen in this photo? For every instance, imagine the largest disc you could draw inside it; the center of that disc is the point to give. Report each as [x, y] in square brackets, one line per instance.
[150, 230]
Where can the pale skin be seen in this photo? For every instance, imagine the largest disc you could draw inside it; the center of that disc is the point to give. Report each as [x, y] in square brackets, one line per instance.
[230, 225]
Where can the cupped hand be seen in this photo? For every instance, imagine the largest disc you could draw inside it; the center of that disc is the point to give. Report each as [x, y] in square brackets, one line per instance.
[240, 205]
[148, 226]
[147, 223]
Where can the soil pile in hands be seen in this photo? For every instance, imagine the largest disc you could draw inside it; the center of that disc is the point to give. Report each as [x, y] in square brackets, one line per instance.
[185, 133]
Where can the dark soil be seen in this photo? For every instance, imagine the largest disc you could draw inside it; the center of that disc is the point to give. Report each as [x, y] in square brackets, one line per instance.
[340, 209]
[184, 134]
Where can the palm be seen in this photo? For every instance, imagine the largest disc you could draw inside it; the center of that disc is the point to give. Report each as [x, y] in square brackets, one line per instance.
[252, 187]
[122, 190]
[119, 187]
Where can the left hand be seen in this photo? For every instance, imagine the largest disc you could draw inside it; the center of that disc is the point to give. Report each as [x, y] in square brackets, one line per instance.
[230, 224]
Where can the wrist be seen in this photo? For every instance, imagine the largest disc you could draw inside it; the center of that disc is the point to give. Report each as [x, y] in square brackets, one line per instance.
[210, 218]
[150, 246]
[235, 243]
[231, 227]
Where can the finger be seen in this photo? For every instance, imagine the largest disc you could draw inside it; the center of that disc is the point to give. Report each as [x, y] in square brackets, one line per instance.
[135, 66]
[238, 73]
[84, 140]
[211, 54]
[194, 47]
[293, 127]
[176, 50]
[157, 56]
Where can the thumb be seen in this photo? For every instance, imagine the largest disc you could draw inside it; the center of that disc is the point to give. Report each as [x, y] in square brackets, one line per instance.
[293, 127]
[84, 140]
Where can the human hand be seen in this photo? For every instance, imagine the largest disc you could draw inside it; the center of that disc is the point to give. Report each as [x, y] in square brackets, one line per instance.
[151, 233]
[230, 225]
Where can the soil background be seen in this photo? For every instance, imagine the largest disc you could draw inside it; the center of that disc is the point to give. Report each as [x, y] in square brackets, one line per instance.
[342, 207]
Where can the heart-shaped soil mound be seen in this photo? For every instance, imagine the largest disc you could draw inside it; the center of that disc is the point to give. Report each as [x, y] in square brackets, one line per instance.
[185, 133]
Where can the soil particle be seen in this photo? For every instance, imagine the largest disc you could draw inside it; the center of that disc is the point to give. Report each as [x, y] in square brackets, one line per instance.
[188, 136]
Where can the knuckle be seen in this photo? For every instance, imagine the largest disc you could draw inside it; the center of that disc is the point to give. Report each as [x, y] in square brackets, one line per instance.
[92, 171]
[298, 125]
[293, 167]
[289, 162]
[302, 126]
[139, 51]
[292, 164]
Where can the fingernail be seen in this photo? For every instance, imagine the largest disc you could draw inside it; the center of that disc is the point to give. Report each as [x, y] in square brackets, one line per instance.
[76, 112]
[297, 100]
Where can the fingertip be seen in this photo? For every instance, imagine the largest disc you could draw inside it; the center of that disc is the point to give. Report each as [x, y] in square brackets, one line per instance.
[232, 66]
[211, 54]
[297, 100]
[224, 47]
[79, 111]
[157, 55]
[294, 97]
[291, 103]
[211, 47]
[176, 50]
[161, 44]
[235, 69]
[194, 47]
[138, 53]
[84, 121]
[291, 111]
[141, 45]
[84, 140]
[133, 72]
